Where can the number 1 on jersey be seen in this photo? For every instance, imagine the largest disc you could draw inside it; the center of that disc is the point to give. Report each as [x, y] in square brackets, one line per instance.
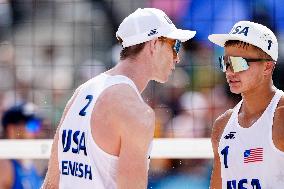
[225, 152]
[83, 111]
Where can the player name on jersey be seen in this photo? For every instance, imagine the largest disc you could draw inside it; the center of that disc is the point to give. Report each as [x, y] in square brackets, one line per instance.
[75, 142]
[76, 169]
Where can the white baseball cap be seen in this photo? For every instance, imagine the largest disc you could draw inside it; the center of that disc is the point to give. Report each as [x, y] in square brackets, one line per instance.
[252, 33]
[147, 24]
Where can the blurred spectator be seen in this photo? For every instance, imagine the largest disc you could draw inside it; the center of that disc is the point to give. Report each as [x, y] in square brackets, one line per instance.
[190, 122]
[20, 122]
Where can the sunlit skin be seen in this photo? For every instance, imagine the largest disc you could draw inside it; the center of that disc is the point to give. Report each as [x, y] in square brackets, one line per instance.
[250, 83]
[249, 80]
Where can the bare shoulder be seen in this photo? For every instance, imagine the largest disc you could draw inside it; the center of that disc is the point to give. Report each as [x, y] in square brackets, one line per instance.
[219, 126]
[280, 104]
[278, 125]
[126, 108]
[279, 112]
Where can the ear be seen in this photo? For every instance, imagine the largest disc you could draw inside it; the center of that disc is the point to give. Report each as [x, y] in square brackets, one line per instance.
[268, 68]
[153, 45]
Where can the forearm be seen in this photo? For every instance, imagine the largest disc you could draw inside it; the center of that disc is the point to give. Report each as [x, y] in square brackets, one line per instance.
[216, 180]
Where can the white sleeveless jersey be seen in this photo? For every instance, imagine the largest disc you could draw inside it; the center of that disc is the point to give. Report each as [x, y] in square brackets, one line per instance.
[82, 163]
[248, 157]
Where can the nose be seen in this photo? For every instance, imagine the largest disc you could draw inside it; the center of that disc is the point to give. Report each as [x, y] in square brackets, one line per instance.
[229, 71]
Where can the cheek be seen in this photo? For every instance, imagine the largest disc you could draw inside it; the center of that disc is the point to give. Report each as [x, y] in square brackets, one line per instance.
[170, 58]
[252, 78]
[168, 53]
[165, 59]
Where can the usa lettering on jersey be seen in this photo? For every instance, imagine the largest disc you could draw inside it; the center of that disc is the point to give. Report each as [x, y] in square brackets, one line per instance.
[75, 142]
[244, 184]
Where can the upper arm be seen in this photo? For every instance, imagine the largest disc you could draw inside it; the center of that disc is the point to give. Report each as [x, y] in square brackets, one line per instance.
[52, 176]
[6, 177]
[218, 127]
[278, 117]
[136, 137]
[136, 133]
[135, 120]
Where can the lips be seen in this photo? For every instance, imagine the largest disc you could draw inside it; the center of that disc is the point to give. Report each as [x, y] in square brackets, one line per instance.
[233, 82]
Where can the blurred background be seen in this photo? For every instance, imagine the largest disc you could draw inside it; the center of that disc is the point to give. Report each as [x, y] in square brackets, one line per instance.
[49, 47]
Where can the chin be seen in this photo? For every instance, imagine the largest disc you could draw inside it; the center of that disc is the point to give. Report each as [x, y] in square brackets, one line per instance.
[235, 90]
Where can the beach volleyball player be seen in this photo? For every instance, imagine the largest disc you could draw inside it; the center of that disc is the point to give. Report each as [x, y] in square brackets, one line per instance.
[105, 134]
[248, 140]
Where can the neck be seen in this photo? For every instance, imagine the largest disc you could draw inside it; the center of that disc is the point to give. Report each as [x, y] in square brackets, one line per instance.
[137, 70]
[257, 100]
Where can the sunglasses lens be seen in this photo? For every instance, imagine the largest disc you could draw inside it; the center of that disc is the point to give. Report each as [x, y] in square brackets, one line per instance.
[222, 64]
[238, 64]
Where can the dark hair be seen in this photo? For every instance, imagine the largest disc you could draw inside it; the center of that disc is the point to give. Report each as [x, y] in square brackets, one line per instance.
[22, 113]
[132, 51]
[244, 45]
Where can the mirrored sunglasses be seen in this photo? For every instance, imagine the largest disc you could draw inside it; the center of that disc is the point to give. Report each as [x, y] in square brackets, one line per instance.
[237, 64]
[174, 43]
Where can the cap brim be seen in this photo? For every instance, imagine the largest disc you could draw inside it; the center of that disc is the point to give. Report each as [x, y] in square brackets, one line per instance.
[182, 35]
[220, 39]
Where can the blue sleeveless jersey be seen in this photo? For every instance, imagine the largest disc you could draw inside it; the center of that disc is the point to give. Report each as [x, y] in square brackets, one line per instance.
[25, 178]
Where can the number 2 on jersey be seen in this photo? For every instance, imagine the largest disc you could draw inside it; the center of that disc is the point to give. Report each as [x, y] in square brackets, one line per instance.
[83, 111]
[225, 152]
